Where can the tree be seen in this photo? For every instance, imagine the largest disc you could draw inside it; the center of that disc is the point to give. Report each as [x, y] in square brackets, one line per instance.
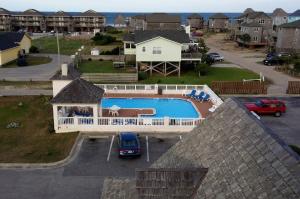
[245, 38]
[202, 69]
[202, 46]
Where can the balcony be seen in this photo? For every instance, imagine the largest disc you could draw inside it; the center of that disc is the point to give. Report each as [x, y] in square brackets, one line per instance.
[191, 56]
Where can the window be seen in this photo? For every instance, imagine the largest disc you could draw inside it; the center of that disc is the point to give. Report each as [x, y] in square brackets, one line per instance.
[132, 46]
[256, 29]
[255, 38]
[144, 49]
[261, 21]
[127, 45]
[156, 50]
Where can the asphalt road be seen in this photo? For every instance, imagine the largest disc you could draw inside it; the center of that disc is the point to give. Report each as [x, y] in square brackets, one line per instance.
[83, 178]
[287, 127]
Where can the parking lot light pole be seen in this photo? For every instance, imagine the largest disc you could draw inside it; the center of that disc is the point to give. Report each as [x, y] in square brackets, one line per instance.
[58, 48]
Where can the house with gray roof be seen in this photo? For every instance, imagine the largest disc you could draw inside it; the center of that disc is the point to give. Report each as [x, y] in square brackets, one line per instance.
[218, 22]
[258, 25]
[288, 37]
[160, 51]
[294, 16]
[279, 16]
[196, 21]
[232, 155]
[32, 20]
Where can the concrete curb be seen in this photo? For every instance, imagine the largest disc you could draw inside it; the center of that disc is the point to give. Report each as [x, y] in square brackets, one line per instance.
[72, 155]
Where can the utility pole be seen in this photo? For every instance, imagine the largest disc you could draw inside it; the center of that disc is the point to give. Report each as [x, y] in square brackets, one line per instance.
[58, 49]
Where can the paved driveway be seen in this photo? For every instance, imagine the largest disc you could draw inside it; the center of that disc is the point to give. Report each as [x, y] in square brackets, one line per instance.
[288, 125]
[249, 61]
[82, 178]
[35, 73]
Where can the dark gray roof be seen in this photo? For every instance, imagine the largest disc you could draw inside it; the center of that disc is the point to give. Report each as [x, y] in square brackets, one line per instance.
[79, 91]
[73, 74]
[88, 13]
[253, 15]
[128, 37]
[61, 14]
[296, 13]
[248, 10]
[139, 36]
[162, 18]
[219, 16]
[10, 39]
[32, 12]
[4, 11]
[142, 17]
[279, 12]
[294, 24]
[251, 24]
[244, 158]
[195, 16]
[168, 183]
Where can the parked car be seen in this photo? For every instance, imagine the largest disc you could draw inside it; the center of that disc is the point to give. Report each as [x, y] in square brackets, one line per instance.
[266, 106]
[283, 54]
[129, 144]
[216, 57]
[273, 60]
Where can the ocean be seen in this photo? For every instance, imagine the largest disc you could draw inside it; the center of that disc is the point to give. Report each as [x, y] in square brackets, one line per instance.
[110, 16]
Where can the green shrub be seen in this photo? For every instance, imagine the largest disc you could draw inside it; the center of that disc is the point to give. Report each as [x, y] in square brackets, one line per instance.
[51, 126]
[202, 69]
[297, 66]
[33, 49]
[100, 39]
[114, 51]
[142, 75]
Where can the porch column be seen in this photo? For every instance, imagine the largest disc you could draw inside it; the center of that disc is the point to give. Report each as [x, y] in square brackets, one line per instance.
[95, 114]
[55, 117]
[179, 67]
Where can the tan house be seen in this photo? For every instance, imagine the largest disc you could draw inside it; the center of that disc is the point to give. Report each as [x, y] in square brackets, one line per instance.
[218, 22]
[196, 21]
[255, 31]
[33, 20]
[279, 16]
[288, 37]
[11, 45]
[156, 21]
[120, 21]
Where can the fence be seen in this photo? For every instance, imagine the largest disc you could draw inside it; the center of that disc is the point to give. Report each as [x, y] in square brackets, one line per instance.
[231, 87]
[112, 124]
[111, 77]
[104, 57]
[293, 87]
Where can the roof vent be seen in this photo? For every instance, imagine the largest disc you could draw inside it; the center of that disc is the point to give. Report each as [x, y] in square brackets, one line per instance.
[64, 69]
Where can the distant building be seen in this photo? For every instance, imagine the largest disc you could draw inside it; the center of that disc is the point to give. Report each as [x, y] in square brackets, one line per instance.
[288, 37]
[156, 21]
[196, 21]
[120, 22]
[248, 10]
[218, 22]
[294, 16]
[33, 20]
[279, 16]
[12, 44]
[258, 25]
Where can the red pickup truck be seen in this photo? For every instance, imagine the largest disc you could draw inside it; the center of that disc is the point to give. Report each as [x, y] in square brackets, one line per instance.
[266, 106]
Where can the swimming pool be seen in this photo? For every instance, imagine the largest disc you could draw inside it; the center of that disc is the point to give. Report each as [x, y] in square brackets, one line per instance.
[174, 108]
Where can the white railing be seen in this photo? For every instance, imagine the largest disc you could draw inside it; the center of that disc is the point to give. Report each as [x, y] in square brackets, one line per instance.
[153, 89]
[97, 124]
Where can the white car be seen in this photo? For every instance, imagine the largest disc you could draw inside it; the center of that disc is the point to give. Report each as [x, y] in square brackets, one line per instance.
[216, 57]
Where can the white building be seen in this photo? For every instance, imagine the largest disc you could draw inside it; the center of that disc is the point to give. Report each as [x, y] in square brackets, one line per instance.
[160, 51]
[95, 52]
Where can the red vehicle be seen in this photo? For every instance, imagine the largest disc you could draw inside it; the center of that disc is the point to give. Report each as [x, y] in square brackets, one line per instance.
[266, 106]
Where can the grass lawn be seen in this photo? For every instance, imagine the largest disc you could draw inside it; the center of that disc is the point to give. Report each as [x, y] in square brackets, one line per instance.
[31, 142]
[27, 84]
[100, 67]
[31, 60]
[214, 74]
[67, 46]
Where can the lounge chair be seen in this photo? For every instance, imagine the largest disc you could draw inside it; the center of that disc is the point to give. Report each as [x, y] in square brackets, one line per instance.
[192, 94]
[205, 98]
[200, 96]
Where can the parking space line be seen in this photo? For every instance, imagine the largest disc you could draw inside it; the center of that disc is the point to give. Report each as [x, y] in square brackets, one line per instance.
[147, 146]
[110, 147]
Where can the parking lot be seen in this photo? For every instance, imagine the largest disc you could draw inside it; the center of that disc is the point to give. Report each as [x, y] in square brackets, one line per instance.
[99, 157]
[287, 127]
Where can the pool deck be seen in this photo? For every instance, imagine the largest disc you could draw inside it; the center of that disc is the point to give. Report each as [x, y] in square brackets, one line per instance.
[202, 107]
[128, 112]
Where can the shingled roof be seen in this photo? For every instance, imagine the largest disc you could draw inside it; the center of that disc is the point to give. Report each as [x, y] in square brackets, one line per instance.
[244, 158]
[251, 24]
[279, 12]
[219, 16]
[139, 36]
[294, 24]
[162, 18]
[79, 91]
[10, 39]
[195, 16]
[4, 11]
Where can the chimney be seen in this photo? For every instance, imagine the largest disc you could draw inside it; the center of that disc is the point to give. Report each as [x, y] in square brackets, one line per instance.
[64, 69]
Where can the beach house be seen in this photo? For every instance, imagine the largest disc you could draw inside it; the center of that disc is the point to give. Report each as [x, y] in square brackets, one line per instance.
[288, 37]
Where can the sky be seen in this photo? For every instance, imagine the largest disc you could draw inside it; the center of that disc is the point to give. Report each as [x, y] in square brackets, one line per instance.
[151, 5]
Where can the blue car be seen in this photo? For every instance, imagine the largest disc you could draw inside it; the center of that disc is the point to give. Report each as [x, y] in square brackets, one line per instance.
[129, 145]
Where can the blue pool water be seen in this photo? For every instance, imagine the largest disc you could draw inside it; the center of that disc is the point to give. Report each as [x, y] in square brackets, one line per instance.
[174, 108]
